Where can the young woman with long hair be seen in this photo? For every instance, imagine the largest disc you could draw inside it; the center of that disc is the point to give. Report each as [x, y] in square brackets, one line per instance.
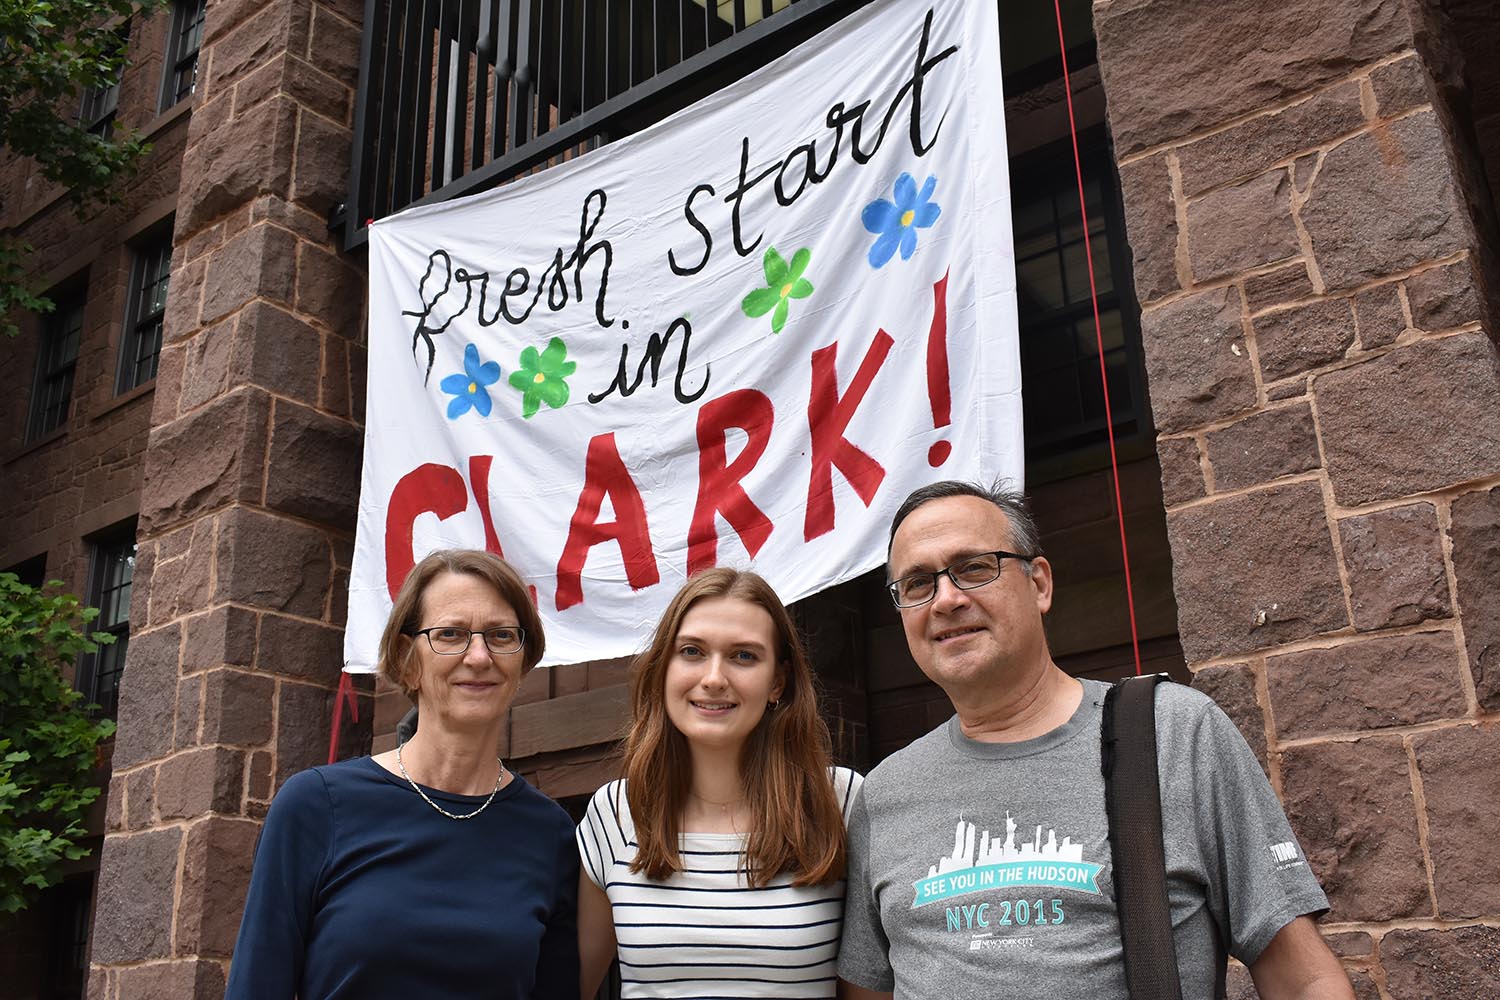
[716, 867]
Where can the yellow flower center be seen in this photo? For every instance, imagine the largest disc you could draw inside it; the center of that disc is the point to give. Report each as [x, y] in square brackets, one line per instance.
[540, 378]
[473, 388]
[786, 289]
[907, 216]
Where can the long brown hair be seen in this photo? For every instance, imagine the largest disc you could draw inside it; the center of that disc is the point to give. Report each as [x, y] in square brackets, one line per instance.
[798, 825]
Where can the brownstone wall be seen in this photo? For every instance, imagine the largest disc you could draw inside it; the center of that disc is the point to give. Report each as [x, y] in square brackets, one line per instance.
[247, 503]
[1328, 399]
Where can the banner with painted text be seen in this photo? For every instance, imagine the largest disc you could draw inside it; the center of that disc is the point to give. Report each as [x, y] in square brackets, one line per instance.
[739, 337]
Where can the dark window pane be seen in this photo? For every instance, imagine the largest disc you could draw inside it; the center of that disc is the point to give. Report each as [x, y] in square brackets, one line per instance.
[141, 346]
[109, 591]
[56, 362]
[182, 55]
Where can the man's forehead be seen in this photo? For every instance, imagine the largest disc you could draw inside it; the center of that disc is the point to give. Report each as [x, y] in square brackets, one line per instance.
[951, 526]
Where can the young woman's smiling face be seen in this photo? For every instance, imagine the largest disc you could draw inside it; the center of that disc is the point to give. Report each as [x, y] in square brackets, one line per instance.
[723, 672]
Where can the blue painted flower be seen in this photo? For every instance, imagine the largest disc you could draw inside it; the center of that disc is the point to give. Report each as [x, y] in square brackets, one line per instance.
[897, 222]
[468, 386]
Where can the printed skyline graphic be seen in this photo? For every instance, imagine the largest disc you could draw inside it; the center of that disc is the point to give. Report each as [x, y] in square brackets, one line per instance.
[968, 854]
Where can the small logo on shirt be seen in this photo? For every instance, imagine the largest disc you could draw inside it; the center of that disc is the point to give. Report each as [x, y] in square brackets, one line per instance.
[1285, 855]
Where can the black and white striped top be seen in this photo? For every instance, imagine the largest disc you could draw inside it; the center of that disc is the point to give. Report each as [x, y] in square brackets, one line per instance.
[703, 933]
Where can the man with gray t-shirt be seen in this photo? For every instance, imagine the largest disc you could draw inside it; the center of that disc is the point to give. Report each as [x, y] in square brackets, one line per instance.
[979, 858]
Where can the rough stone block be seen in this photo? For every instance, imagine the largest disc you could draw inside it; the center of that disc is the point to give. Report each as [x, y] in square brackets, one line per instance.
[1351, 806]
[235, 161]
[320, 172]
[1395, 563]
[1399, 86]
[270, 562]
[1458, 964]
[137, 874]
[1378, 316]
[148, 689]
[254, 42]
[314, 469]
[1240, 227]
[140, 797]
[1243, 585]
[237, 708]
[296, 648]
[1169, 71]
[1232, 688]
[215, 875]
[277, 351]
[223, 637]
[333, 381]
[206, 365]
[330, 288]
[1350, 944]
[1181, 473]
[190, 979]
[184, 302]
[1151, 219]
[1475, 529]
[1197, 361]
[1279, 287]
[1461, 789]
[199, 782]
[1383, 202]
[178, 585]
[258, 781]
[189, 713]
[1264, 446]
[258, 263]
[1366, 684]
[205, 460]
[1443, 298]
[304, 714]
[1289, 341]
[1420, 418]
[315, 90]
[1260, 143]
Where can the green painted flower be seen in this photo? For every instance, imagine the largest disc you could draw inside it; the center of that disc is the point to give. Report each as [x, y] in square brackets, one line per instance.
[541, 377]
[783, 283]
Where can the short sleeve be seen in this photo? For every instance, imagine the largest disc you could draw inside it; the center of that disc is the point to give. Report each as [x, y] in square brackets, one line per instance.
[295, 844]
[846, 786]
[864, 953]
[599, 832]
[1259, 878]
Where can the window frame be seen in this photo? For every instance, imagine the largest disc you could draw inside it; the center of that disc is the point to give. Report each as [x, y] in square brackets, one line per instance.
[98, 106]
[56, 362]
[144, 324]
[184, 45]
[109, 591]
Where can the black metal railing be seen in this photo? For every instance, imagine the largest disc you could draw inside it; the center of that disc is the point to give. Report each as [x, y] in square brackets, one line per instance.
[456, 96]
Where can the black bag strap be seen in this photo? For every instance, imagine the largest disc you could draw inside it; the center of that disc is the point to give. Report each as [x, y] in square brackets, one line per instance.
[1132, 801]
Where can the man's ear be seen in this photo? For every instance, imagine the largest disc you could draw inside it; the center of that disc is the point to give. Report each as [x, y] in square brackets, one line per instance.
[1041, 582]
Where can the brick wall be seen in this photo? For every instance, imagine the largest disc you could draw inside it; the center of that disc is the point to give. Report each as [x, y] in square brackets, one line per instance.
[1325, 385]
[247, 502]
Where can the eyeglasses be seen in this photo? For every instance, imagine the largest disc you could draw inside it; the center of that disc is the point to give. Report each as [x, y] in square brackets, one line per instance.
[968, 573]
[449, 640]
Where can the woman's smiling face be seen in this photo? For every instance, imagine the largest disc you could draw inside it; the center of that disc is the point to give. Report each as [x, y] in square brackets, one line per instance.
[474, 687]
[723, 672]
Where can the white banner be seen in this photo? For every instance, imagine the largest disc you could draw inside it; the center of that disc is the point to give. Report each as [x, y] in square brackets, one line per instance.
[739, 337]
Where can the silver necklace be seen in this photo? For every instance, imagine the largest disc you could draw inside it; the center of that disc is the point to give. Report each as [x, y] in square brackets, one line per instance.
[484, 805]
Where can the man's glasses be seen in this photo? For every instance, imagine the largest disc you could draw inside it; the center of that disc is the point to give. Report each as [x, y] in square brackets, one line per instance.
[451, 641]
[967, 574]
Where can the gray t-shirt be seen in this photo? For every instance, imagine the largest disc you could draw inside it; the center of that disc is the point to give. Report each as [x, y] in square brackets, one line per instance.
[983, 869]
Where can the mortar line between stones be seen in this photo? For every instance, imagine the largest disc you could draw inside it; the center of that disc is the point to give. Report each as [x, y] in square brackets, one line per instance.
[1419, 800]
[1180, 260]
[1392, 732]
[1339, 510]
[1268, 723]
[1329, 640]
[1252, 350]
[1267, 111]
[1444, 507]
[1304, 238]
[1380, 929]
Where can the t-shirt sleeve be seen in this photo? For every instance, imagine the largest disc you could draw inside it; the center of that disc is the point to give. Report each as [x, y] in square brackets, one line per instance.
[846, 785]
[557, 959]
[1259, 878]
[864, 953]
[295, 843]
[594, 838]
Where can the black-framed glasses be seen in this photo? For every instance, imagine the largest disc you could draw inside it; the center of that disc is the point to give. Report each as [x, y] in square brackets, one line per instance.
[450, 640]
[967, 573]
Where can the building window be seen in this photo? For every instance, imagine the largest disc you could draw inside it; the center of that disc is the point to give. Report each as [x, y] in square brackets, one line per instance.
[1064, 405]
[141, 345]
[182, 51]
[96, 113]
[53, 392]
[72, 906]
[110, 571]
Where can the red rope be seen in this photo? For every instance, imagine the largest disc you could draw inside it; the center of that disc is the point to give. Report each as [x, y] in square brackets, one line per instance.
[344, 694]
[1088, 252]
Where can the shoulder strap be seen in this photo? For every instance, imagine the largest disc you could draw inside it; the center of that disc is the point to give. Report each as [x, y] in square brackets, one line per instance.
[1132, 801]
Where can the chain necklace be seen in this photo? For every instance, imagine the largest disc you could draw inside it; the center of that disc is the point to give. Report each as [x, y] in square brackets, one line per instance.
[470, 815]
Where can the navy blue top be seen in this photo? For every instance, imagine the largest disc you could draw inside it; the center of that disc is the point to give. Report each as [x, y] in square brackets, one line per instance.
[362, 890]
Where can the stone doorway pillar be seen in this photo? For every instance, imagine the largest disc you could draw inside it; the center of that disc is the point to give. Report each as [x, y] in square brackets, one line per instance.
[248, 500]
[1310, 246]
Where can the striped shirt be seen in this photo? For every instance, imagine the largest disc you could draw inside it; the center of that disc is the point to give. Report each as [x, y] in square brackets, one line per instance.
[703, 933]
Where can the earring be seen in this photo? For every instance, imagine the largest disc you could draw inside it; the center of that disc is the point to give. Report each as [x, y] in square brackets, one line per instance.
[773, 704]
